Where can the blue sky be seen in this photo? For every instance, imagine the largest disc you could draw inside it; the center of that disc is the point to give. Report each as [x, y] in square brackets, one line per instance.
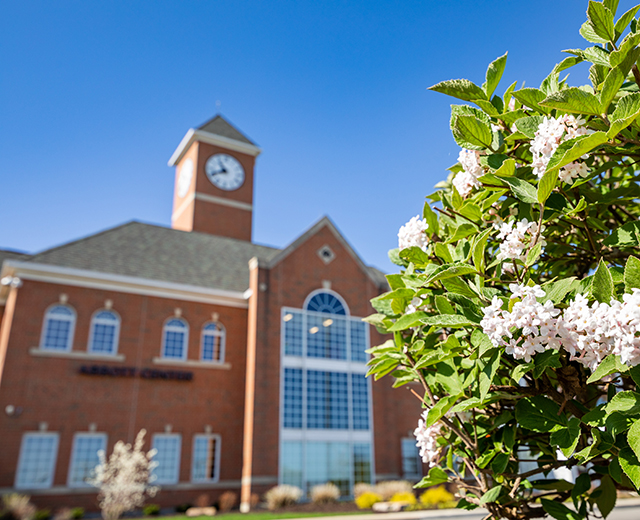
[95, 96]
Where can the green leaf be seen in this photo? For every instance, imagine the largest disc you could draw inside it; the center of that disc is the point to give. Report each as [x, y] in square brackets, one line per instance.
[462, 231]
[625, 50]
[567, 437]
[588, 33]
[633, 437]
[408, 320]
[609, 365]
[539, 414]
[606, 499]
[567, 63]
[442, 252]
[602, 287]
[533, 254]
[632, 274]
[488, 373]
[436, 476]
[522, 189]
[531, 97]
[627, 401]
[432, 219]
[472, 133]
[558, 510]
[612, 5]
[467, 404]
[443, 305]
[521, 370]
[446, 321]
[547, 359]
[601, 20]
[440, 408]
[610, 87]
[624, 20]
[450, 271]
[574, 100]
[630, 465]
[573, 149]
[507, 169]
[546, 185]
[626, 235]
[556, 291]
[499, 463]
[460, 88]
[478, 250]
[481, 341]
[491, 495]
[626, 112]
[494, 74]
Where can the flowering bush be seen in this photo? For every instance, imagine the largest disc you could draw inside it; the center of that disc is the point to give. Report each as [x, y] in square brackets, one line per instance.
[125, 478]
[437, 496]
[387, 488]
[517, 307]
[405, 497]
[367, 499]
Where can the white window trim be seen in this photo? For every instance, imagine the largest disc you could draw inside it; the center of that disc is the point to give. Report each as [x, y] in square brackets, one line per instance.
[72, 460]
[332, 293]
[185, 343]
[72, 329]
[178, 456]
[216, 471]
[116, 339]
[49, 482]
[418, 459]
[220, 332]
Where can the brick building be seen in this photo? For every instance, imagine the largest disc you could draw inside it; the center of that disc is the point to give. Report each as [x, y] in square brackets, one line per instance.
[244, 363]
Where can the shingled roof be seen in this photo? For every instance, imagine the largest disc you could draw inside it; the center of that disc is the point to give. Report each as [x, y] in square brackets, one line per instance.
[160, 253]
[218, 125]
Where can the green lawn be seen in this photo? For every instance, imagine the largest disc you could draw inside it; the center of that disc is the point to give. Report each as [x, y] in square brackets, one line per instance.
[265, 515]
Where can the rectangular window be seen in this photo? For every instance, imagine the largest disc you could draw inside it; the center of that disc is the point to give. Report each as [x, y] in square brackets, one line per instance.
[292, 413]
[360, 398]
[291, 463]
[326, 336]
[359, 341]
[84, 457]
[327, 400]
[37, 460]
[206, 458]
[362, 463]
[328, 462]
[411, 463]
[292, 333]
[168, 457]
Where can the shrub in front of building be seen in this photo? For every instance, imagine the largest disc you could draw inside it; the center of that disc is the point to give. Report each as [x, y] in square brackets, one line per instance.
[404, 497]
[124, 479]
[227, 501]
[151, 510]
[387, 488]
[360, 488]
[16, 506]
[367, 499]
[324, 493]
[282, 496]
[437, 497]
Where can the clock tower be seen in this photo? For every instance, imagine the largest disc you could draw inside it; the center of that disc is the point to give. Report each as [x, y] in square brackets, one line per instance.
[214, 181]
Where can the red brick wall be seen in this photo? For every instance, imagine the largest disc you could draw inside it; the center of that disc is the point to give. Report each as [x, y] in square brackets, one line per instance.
[50, 389]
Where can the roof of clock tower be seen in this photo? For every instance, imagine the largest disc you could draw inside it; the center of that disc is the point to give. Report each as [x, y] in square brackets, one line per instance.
[217, 131]
[218, 125]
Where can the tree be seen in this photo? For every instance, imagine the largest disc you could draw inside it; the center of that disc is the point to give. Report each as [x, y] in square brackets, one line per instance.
[125, 478]
[517, 307]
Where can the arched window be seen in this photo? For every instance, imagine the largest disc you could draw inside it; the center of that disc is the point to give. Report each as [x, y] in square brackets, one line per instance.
[213, 339]
[174, 339]
[324, 301]
[59, 326]
[105, 329]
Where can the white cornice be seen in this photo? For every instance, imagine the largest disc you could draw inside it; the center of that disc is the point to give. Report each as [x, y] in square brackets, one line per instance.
[225, 202]
[194, 135]
[121, 283]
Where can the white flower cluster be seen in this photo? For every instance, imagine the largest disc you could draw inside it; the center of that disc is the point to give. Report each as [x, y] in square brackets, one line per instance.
[514, 238]
[427, 440]
[538, 323]
[125, 478]
[551, 132]
[413, 234]
[590, 334]
[467, 179]
[587, 333]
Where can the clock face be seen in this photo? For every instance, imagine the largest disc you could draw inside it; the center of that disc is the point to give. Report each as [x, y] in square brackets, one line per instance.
[224, 171]
[184, 179]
